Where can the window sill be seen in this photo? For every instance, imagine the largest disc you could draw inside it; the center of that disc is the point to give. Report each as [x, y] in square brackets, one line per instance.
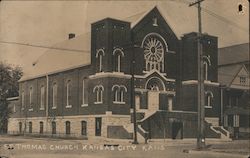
[42, 109]
[84, 105]
[53, 107]
[31, 109]
[69, 106]
[97, 102]
[208, 107]
[117, 102]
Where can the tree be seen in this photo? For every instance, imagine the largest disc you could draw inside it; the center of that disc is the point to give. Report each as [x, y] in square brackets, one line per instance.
[9, 76]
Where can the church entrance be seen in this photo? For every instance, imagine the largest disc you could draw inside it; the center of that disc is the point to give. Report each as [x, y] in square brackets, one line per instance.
[154, 86]
[153, 99]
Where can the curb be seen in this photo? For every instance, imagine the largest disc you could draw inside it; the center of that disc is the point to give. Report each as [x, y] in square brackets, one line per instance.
[193, 151]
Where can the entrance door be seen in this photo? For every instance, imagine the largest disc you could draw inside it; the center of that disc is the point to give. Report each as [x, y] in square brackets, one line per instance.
[177, 130]
[153, 100]
[20, 127]
[98, 126]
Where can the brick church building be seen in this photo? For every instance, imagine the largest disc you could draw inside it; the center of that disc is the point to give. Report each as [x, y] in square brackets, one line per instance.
[93, 98]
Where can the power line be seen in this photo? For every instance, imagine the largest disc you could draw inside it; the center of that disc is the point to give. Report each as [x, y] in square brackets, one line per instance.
[219, 17]
[45, 47]
[224, 19]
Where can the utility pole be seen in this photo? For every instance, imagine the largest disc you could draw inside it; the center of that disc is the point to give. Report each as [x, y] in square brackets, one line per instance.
[200, 98]
[132, 69]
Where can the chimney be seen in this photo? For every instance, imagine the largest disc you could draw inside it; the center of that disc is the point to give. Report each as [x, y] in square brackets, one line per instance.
[72, 35]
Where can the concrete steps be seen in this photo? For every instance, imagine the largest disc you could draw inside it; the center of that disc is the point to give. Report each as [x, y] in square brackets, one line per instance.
[214, 126]
[130, 129]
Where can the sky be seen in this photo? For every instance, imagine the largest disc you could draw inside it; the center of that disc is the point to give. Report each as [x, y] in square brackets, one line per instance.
[48, 23]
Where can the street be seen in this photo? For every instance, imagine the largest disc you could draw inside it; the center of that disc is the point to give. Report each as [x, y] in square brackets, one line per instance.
[28, 147]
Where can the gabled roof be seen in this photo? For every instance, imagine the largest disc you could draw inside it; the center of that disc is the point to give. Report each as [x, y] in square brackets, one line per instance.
[77, 51]
[234, 54]
[227, 74]
[134, 20]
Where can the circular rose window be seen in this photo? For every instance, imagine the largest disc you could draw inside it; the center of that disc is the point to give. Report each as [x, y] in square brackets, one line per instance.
[154, 52]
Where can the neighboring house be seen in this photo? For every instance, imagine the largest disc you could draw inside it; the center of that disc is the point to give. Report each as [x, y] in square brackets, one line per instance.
[87, 93]
[234, 76]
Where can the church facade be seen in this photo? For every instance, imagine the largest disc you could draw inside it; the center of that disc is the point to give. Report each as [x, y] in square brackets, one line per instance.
[94, 100]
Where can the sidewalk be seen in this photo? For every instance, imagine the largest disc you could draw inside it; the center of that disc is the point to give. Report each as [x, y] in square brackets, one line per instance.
[234, 148]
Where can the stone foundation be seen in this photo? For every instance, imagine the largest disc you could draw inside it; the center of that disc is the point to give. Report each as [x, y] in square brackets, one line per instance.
[75, 124]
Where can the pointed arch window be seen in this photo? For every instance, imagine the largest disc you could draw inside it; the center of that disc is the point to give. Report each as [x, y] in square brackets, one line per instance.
[99, 56]
[68, 94]
[209, 99]
[98, 90]
[118, 54]
[54, 96]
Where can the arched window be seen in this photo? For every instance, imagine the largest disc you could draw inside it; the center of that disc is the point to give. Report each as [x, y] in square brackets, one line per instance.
[42, 98]
[118, 54]
[209, 98]
[123, 89]
[14, 108]
[84, 128]
[83, 92]
[116, 89]
[84, 96]
[41, 127]
[30, 127]
[53, 124]
[154, 46]
[67, 127]
[205, 70]
[23, 100]
[119, 91]
[68, 94]
[206, 64]
[155, 84]
[31, 97]
[99, 55]
[99, 94]
[20, 127]
[54, 96]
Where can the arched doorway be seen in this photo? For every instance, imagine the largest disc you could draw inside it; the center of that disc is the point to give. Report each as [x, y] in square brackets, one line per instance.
[154, 85]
